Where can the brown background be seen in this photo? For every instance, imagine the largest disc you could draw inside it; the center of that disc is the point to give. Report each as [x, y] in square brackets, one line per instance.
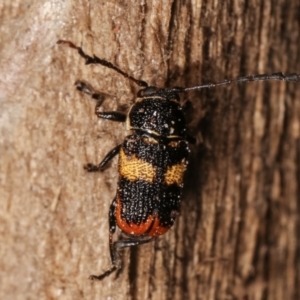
[238, 233]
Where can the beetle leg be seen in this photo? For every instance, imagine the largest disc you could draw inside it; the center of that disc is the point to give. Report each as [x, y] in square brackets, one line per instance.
[136, 241]
[116, 259]
[111, 115]
[190, 139]
[187, 105]
[89, 90]
[108, 115]
[110, 155]
[114, 255]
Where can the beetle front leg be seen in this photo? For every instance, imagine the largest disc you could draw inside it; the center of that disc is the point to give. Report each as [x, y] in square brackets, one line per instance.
[108, 115]
[89, 90]
[98, 168]
[111, 115]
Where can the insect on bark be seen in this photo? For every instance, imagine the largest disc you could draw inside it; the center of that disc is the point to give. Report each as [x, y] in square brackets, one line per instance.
[152, 158]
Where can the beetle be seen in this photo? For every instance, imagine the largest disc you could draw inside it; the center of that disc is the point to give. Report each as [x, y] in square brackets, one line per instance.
[152, 159]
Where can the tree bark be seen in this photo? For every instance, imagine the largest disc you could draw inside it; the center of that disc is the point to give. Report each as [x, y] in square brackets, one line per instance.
[237, 236]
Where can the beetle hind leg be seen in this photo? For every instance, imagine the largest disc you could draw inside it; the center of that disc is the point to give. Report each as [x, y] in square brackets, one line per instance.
[116, 258]
[112, 230]
[117, 263]
[114, 267]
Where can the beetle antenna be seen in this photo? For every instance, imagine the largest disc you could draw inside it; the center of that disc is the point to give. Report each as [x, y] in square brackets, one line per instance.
[96, 60]
[263, 77]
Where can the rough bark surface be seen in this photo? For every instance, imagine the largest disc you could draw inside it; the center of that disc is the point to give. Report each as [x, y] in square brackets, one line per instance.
[237, 236]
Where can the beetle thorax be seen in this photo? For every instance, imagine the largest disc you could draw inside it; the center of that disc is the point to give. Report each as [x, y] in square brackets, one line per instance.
[157, 116]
